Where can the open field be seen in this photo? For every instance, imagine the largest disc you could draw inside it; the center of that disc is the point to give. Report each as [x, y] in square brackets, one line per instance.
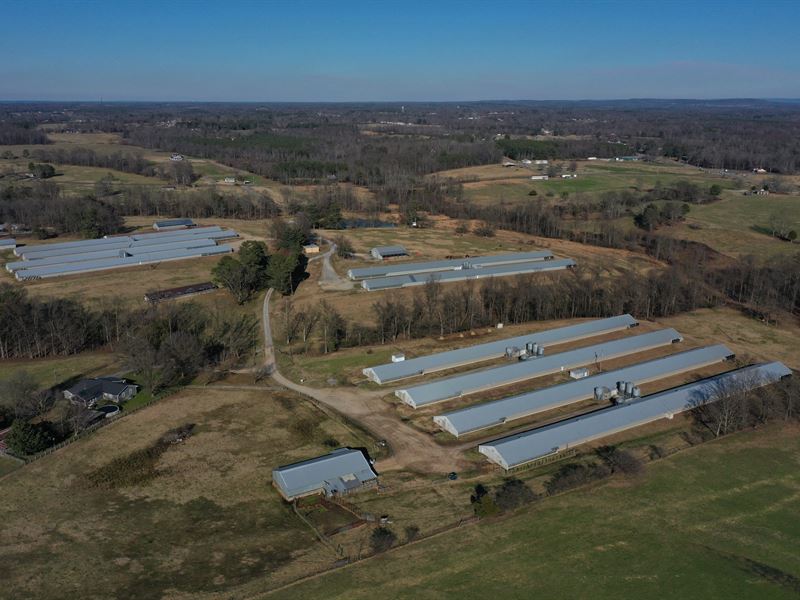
[203, 518]
[717, 520]
[48, 372]
[738, 225]
[489, 184]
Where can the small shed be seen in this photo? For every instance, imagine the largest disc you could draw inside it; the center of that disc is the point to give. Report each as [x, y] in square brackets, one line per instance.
[310, 249]
[383, 252]
[169, 224]
[339, 473]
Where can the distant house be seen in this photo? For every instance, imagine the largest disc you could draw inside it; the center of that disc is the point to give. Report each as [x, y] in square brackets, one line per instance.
[229, 180]
[592, 158]
[508, 163]
[339, 473]
[540, 162]
[89, 391]
[176, 157]
[526, 161]
[173, 224]
[760, 171]
[310, 249]
[569, 176]
[383, 252]
[540, 177]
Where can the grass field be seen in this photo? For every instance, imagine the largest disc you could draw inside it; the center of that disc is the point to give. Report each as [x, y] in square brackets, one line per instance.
[739, 225]
[48, 372]
[205, 519]
[715, 521]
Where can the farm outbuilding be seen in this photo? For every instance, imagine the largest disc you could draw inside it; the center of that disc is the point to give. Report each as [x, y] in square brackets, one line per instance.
[169, 224]
[476, 381]
[422, 365]
[52, 260]
[453, 264]
[383, 252]
[489, 414]
[516, 450]
[7, 244]
[468, 272]
[339, 473]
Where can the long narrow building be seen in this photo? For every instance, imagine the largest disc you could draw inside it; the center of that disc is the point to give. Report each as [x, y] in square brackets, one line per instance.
[484, 272]
[453, 264]
[499, 412]
[483, 352]
[476, 381]
[517, 450]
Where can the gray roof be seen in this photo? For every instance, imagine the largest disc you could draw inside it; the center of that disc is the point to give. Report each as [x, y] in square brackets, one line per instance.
[478, 272]
[112, 253]
[338, 471]
[115, 263]
[389, 251]
[519, 449]
[174, 223]
[454, 264]
[123, 241]
[481, 352]
[8, 243]
[489, 414]
[91, 389]
[475, 381]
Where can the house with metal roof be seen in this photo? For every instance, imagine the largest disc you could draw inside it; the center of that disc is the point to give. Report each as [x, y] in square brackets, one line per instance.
[339, 473]
[603, 386]
[383, 252]
[411, 367]
[516, 450]
[90, 391]
[477, 381]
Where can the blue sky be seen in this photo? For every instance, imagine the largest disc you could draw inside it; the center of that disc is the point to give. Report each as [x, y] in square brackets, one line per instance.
[404, 50]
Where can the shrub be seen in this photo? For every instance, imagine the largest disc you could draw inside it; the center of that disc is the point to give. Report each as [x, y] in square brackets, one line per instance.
[619, 461]
[26, 439]
[484, 230]
[462, 228]
[382, 539]
[412, 532]
[575, 475]
[512, 494]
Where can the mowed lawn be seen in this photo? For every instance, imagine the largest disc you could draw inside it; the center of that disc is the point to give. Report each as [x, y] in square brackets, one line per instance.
[719, 520]
[206, 521]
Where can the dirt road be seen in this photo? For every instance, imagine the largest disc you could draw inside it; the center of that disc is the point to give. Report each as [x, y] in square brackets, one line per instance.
[411, 449]
[329, 279]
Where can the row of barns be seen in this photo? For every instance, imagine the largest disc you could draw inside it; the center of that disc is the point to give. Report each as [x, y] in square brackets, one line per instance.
[619, 403]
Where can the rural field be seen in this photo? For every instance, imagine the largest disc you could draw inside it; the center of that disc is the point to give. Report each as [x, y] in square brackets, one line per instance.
[712, 521]
[202, 517]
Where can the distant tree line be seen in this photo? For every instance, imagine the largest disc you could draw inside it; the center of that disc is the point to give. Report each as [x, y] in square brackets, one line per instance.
[21, 133]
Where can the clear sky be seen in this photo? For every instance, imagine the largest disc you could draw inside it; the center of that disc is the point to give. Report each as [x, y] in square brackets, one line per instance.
[399, 50]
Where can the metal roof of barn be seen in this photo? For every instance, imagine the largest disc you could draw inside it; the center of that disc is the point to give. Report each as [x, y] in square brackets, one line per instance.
[489, 414]
[475, 381]
[482, 352]
[483, 272]
[115, 263]
[324, 472]
[454, 264]
[525, 447]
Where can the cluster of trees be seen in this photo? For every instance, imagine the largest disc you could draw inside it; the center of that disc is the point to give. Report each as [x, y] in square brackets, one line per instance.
[41, 170]
[40, 328]
[739, 404]
[437, 309]
[509, 495]
[21, 133]
[519, 148]
[245, 274]
[654, 216]
[172, 343]
[127, 162]
[42, 207]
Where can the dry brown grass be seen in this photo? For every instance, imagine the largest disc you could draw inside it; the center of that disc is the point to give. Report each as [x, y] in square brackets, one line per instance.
[208, 521]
